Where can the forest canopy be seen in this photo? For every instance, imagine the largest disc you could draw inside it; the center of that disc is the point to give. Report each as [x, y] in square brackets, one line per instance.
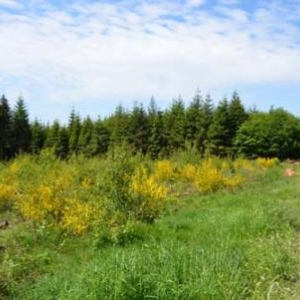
[227, 129]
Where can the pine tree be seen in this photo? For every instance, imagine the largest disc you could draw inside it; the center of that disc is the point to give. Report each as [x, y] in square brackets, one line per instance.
[85, 135]
[52, 135]
[152, 111]
[207, 111]
[237, 116]
[101, 137]
[139, 129]
[5, 129]
[21, 128]
[38, 137]
[61, 148]
[157, 140]
[194, 119]
[118, 124]
[175, 123]
[74, 128]
[219, 130]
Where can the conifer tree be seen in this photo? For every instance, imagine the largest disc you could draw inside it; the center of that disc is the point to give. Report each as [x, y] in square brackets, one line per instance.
[38, 137]
[21, 128]
[61, 148]
[85, 136]
[237, 116]
[219, 132]
[101, 138]
[206, 120]
[52, 135]
[5, 129]
[74, 128]
[208, 111]
[118, 124]
[194, 119]
[152, 111]
[139, 129]
[175, 123]
[157, 140]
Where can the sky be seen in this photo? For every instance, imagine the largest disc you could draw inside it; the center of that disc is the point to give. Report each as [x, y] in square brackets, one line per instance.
[95, 55]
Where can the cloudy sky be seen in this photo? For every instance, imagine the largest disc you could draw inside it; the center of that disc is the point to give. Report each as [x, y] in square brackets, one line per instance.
[93, 55]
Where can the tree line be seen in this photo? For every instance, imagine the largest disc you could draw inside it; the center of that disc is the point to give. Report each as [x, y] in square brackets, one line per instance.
[224, 130]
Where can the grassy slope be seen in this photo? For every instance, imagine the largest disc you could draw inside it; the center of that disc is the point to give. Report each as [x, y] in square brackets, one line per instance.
[242, 245]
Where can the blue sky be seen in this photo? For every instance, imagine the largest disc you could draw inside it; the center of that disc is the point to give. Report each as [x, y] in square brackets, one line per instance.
[94, 55]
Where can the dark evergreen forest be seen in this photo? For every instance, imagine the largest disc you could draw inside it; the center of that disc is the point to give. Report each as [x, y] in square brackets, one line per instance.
[224, 130]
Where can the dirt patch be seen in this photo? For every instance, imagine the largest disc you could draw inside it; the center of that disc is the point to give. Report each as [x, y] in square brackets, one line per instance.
[288, 172]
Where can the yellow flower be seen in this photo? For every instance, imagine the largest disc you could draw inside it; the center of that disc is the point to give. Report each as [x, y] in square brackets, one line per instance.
[150, 195]
[77, 216]
[266, 163]
[164, 170]
[188, 172]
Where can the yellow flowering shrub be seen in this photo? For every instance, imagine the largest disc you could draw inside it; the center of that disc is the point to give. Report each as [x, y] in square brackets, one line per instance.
[7, 194]
[38, 203]
[266, 163]
[212, 176]
[73, 196]
[9, 186]
[144, 184]
[242, 164]
[46, 204]
[208, 178]
[188, 172]
[77, 216]
[233, 182]
[148, 195]
[14, 167]
[164, 170]
[56, 196]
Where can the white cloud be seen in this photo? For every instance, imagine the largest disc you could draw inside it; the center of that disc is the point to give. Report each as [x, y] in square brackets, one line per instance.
[196, 2]
[112, 52]
[10, 3]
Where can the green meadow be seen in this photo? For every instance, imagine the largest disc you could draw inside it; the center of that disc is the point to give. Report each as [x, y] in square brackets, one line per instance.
[241, 243]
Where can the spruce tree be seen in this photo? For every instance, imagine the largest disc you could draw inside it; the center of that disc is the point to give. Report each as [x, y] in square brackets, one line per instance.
[118, 124]
[21, 131]
[85, 136]
[207, 112]
[52, 135]
[237, 116]
[101, 138]
[152, 111]
[194, 119]
[175, 123]
[74, 128]
[38, 137]
[61, 148]
[219, 130]
[5, 129]
[157, 140]
[139, 129]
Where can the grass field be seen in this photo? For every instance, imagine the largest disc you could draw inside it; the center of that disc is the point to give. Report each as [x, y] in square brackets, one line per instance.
[241, 244]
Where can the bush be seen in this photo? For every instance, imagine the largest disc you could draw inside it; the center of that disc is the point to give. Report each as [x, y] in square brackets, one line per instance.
[148, 195]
